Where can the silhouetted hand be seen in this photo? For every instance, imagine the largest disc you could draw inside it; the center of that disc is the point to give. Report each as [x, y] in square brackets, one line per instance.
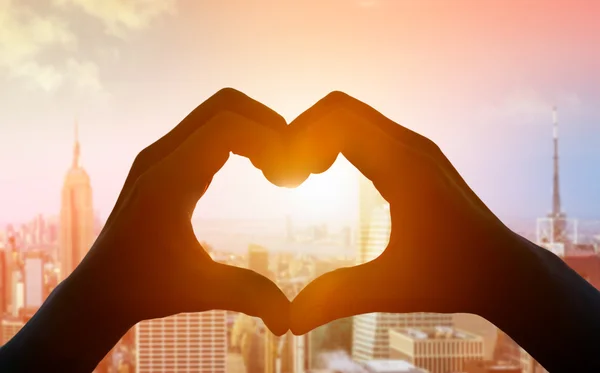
[147, 260]
[447, 250]
[147, 263]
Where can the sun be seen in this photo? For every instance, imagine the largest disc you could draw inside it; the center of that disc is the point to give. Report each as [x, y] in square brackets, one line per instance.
[330, 196]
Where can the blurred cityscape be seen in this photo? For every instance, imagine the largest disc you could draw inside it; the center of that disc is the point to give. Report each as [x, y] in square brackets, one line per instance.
[37, 255]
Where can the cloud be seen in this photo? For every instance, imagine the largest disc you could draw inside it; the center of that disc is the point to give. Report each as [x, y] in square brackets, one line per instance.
[46, 77]
[24, 37]
[84, 75]
[42, 49]
[119, 16]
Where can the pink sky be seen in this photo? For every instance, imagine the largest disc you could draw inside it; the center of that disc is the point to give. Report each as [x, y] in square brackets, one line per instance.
[478, 77]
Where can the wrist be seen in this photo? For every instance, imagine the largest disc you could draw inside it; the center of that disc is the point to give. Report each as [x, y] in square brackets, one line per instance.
[73, 330]
[507, 268]
[545, 306]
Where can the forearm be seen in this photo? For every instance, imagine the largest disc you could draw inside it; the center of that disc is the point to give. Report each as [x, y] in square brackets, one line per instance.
[72, 331]
[548, 309]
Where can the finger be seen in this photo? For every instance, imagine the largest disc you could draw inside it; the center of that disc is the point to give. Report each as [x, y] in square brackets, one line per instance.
[338, 294]
[226, 99]
[328, 129]
[375, 286]
[418, 143]
[242, 290]
[182, 177]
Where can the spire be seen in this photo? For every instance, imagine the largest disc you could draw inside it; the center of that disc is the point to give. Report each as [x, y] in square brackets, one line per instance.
[555, 187]
[76, 149]
[558, 217]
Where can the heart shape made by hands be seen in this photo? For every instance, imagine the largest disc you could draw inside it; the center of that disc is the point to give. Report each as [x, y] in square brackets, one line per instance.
[441, 231]
[442, 238]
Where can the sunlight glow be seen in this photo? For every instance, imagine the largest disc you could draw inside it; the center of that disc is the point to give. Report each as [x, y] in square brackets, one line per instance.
[330, 196]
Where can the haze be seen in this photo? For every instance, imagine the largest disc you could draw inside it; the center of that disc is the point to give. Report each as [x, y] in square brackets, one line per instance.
[478, 77]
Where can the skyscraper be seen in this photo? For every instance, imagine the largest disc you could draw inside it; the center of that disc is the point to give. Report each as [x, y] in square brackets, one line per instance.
[301, 354]
[370, 331]
[33, 281]
[76, 215]
[4, 282]
[258, 260]
[370, 339]
[374, 222]
[186, 342]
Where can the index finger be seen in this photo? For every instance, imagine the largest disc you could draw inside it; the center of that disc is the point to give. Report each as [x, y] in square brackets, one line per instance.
[183, 176]
[348, 107]
[225, 99]
[332, 127]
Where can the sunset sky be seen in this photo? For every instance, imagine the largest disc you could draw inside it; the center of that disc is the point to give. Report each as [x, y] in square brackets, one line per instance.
[478, 77]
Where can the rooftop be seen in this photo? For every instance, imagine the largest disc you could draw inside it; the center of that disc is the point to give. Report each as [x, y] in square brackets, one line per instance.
[391, 366]
[438, 332]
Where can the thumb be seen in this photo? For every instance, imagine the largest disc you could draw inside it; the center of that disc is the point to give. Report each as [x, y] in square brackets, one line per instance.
[242, 290]
[338, 294]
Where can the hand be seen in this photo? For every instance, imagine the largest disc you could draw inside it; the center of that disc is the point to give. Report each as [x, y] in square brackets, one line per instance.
[444, 253]
[147, 261]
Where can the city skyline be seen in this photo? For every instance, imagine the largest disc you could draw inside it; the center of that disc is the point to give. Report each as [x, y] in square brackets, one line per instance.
[87, 85]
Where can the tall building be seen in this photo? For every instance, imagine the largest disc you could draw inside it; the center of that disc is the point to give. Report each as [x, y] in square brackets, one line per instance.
[370, 339]
[10, 275]
[10, 327]
[370, 331]
[33, 281]
[288, 353]
[374, 224]
[76, 215]
[18, 293]
[186, 342]
[258, 260]
[277, 352]
[248, 339]
[438, 350]
[4, 282]
[301, 353]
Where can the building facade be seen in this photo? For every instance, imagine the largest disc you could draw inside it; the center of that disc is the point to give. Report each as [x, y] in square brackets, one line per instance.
[370, 339]
[10, 327]
[258, 260]
[186, 342]
[437, 350]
